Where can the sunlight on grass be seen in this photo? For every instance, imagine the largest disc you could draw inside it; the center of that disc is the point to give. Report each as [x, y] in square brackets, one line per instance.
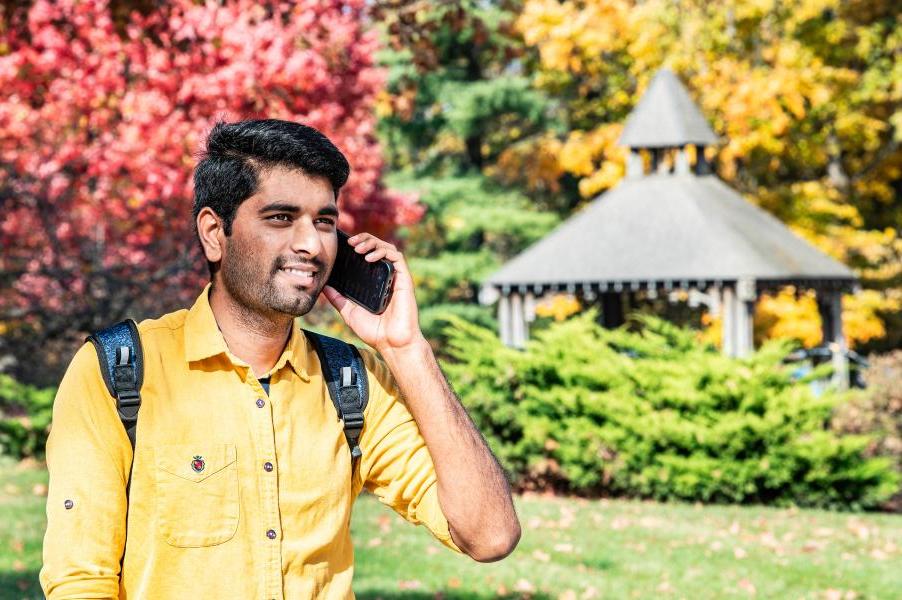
[572, 549]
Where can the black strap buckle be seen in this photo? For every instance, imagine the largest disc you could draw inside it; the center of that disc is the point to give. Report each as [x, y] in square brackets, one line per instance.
[128, 399]
[353, 420]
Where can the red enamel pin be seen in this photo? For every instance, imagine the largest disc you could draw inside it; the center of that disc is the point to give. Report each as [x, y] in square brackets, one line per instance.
[198, 464]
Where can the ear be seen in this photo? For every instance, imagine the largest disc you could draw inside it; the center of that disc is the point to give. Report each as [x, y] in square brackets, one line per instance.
[211, 233]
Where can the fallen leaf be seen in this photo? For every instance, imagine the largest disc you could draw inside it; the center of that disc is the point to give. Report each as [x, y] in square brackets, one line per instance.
[813, 546]
[565, 548]
[858, 528]
[18, 566]
[28, 464]
[589, 593]
[16, 545]
[878, 554]
[454, 582]
[501, 591]
[567, 595]
[664, 587]
[524, 586]
[374, 542]
[747, 586]
[412, 584]
[734, 528]
[650, 522]
[541, 556]
[384, 523]
[739, 553]
[39, 489]
[431, 550]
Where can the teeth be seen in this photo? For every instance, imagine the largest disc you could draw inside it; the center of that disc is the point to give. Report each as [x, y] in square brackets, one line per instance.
[299, 272]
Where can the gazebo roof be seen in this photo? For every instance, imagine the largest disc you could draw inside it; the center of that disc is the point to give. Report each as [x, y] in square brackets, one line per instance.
[666, 117]
[671, 228]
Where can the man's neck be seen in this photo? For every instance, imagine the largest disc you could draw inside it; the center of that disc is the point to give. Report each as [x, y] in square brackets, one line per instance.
[255, 338]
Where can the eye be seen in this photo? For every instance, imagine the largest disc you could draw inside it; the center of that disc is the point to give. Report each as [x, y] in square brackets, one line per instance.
[326, 220]
[277, 217]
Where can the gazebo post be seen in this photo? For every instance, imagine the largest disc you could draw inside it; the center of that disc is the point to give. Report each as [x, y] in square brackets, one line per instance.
[504, 319]
[744, 302]
[518, 321]
[728, 321]
[745, 342]
[737, 310]
[829, 305]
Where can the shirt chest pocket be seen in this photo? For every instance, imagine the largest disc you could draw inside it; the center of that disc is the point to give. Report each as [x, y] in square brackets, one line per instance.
[197, 493]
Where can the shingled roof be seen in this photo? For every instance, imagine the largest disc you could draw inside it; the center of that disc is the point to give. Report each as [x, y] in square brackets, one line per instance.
[666, 117]
[670, 228]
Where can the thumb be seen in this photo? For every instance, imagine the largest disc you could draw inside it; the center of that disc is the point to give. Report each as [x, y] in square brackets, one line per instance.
[335, 297]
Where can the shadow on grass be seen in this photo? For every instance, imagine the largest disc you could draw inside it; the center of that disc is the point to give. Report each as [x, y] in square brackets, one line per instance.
[20, 585]
[414, 595]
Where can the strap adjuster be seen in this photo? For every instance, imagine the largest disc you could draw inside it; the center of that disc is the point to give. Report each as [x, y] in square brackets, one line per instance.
[128, 398]
[353, 420]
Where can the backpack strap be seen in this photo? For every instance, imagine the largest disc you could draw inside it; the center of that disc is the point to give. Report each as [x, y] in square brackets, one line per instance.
[346, 379]
[121, 360]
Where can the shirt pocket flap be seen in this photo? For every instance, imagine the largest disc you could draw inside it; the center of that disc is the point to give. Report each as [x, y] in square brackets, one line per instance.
[195, 462]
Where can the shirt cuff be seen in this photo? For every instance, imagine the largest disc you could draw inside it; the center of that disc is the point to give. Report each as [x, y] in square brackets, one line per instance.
[429, 512]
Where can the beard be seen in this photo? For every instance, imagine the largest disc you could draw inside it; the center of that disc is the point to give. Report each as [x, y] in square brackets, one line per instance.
[258, 288]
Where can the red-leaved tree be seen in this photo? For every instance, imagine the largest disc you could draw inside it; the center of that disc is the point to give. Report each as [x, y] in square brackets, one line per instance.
[102, 114]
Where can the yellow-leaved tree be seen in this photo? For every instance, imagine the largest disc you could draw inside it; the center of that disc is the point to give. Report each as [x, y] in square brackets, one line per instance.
[805, 94]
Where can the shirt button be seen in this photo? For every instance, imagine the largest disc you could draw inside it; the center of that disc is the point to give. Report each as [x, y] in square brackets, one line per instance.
[271, 534]
[267, 466]
[260, 402]
[69, 504]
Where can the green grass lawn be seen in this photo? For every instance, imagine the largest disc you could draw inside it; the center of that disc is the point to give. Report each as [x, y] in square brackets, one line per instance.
[571, 549]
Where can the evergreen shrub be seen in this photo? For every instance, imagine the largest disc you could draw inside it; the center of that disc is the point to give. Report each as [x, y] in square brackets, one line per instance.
[658, 414]
[25, 413]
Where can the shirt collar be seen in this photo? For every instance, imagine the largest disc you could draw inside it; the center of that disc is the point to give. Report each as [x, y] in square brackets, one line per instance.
[203, 339]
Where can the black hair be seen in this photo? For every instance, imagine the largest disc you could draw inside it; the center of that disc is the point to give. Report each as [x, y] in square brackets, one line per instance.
[237, 153]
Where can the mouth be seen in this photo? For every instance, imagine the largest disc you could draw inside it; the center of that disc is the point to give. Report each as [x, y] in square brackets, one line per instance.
[299, 275]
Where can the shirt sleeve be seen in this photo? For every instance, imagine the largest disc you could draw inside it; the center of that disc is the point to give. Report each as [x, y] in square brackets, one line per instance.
[396, 465]
[88, 457]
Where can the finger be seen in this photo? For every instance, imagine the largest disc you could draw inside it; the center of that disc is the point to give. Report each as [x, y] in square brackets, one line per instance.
[335, 298]
[361, 237]
[357, 237]
[377, 254]
[366, 245]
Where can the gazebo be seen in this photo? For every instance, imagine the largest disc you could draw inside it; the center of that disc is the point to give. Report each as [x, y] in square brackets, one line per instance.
[670, 225]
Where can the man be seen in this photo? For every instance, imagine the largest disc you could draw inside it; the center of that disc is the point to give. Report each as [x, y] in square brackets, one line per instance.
[241, 483]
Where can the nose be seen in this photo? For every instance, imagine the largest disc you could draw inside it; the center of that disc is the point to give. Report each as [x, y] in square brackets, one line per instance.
[305, 239]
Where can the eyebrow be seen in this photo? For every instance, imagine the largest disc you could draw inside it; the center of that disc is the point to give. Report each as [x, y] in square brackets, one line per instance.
[329, 210]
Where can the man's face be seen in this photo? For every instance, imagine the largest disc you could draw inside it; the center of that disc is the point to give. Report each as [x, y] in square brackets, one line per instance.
[283, 244]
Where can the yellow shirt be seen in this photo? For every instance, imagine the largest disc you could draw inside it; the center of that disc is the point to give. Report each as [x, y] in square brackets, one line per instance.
[268, 514]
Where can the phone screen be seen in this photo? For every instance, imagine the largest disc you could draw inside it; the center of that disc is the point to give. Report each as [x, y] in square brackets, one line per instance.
[368, 284]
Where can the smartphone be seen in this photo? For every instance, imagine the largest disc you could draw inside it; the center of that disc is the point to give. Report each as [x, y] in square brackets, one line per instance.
[369, 284]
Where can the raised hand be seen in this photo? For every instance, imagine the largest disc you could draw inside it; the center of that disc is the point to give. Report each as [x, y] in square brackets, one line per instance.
[398, 327]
